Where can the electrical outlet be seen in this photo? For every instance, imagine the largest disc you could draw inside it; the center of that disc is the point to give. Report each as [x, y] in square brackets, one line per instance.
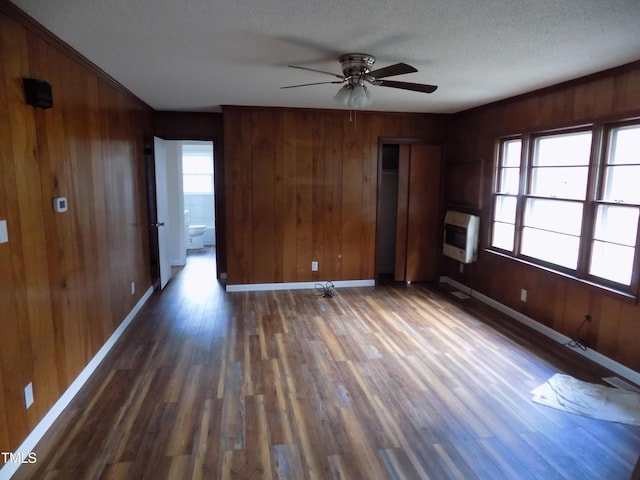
[523, 295]
[28, 395]
[461, 268]
[133, 288]
[314, 266]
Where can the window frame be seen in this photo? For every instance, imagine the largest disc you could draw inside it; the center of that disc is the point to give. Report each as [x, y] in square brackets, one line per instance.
[598, 199]
[498, 171]
[532, 140]
[197, 150]
[601, 135]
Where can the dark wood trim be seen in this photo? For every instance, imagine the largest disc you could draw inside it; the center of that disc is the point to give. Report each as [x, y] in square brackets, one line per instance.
[152, 211]
[404, 174]
[526, 149]
[411, 141]
[378, 208]
[203, 126]
[220, 207]
[582, 124]
[15, 13]
[589, 212]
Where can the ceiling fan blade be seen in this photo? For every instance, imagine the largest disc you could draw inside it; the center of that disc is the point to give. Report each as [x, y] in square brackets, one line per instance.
[318, 71]
[416, 87]
[307, 84]
[392, 70]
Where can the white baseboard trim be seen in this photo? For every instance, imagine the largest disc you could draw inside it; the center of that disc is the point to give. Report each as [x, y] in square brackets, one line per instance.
[29, 443]
[259, 287]
[597, 357]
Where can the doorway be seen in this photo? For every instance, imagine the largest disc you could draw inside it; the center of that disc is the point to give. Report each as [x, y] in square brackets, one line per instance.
[387, 212]
[409, 192]
[169, 201]
[196, 162]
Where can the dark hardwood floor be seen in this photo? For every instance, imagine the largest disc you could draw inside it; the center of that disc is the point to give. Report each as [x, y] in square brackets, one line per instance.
[386, 382]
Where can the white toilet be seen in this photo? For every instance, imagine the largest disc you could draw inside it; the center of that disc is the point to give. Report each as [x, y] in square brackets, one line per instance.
[196, 236]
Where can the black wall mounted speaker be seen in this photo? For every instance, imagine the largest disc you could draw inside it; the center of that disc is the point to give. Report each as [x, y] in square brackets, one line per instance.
[37, 93]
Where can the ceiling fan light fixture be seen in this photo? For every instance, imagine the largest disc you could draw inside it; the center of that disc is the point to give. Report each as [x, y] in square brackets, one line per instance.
[354, 96]
[344, 94]
[360, 97]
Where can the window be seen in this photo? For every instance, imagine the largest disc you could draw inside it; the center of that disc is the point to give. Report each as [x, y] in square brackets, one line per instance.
[197, 169]
[556, 206]
[616, 225]
[508, 184]
[614, 243]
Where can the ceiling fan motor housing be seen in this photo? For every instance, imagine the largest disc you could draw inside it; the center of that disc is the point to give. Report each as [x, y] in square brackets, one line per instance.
[356, 65]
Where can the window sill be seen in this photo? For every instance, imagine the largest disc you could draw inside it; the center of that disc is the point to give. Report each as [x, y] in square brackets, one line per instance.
[601, 288]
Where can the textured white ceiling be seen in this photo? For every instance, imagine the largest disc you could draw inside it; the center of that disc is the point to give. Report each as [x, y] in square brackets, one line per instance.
[196, 55]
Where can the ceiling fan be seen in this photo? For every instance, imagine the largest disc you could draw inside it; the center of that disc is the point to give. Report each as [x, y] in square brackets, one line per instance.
[356, 71]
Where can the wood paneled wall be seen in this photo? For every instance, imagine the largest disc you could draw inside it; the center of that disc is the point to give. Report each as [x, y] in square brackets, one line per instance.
[64, 278]
[301, 185]
[559, 302]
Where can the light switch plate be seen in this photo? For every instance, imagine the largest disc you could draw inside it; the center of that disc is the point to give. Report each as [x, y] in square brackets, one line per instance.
[4, 235]
[28, 395]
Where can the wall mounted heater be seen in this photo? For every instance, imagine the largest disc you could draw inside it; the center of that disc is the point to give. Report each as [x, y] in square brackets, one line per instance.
[461, 236]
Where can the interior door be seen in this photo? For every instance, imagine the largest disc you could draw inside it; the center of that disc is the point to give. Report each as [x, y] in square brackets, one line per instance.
[162, 208]
[418, 226]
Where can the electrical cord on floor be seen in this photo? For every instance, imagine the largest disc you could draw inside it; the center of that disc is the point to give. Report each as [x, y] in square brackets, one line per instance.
[327, 290]
[577, 342]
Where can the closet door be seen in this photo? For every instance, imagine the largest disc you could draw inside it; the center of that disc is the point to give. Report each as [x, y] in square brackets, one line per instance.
[404, 160]
[418, 226]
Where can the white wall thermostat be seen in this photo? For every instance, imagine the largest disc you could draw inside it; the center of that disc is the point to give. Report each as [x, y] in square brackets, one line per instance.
[60, 204]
